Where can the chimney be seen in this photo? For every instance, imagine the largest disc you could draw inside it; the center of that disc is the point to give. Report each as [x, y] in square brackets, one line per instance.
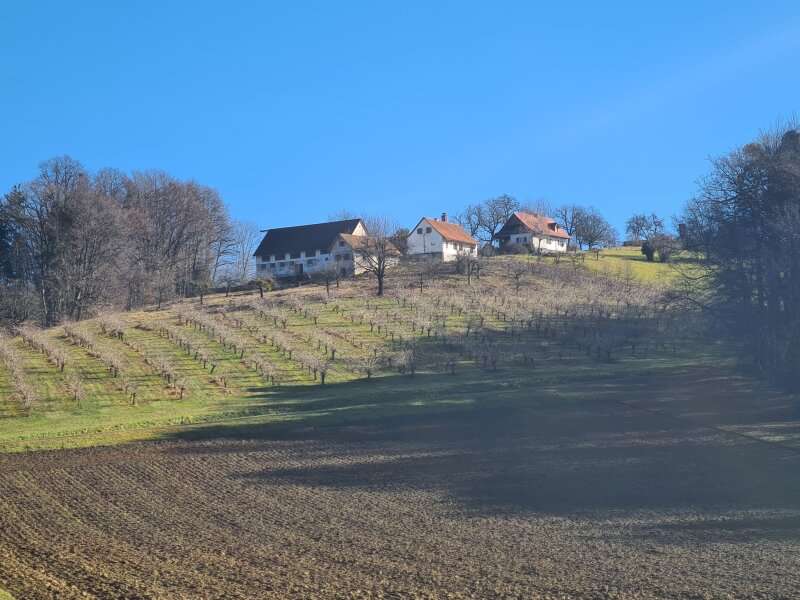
[444, 217]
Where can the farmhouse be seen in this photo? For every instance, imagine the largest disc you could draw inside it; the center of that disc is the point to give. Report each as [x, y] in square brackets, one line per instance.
[308, 249]
[351, 253]
[441, 240]
[537, 232]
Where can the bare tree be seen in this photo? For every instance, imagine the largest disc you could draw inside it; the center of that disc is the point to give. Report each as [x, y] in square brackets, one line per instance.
[568, 216]
[496, 212]
[593, 231]
[375, 251]
[539, 206]
[470, 219]
[644, 227]
[400, 239]
[245, 237]
[746, 220]
[485, 220]
[81, 242]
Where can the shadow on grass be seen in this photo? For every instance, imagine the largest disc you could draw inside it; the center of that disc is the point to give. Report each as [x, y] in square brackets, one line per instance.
[498, 446]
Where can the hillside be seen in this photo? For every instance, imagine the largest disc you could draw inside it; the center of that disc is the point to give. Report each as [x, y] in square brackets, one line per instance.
[629, 261]
[541, 428]
[138, 375]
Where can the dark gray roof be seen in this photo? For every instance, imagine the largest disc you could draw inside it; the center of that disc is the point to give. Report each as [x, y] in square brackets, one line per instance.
[303, 238]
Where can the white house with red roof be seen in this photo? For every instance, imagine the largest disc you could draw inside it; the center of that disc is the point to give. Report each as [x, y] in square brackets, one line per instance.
[539, 233]
[440, 239]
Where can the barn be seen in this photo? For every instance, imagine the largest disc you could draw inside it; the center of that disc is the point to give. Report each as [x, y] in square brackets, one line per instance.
[304, 249]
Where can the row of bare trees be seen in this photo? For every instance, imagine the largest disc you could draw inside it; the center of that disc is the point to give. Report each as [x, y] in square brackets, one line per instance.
[72, 242]
[584, 224]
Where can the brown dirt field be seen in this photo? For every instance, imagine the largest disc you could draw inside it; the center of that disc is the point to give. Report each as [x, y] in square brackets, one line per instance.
[581, 500]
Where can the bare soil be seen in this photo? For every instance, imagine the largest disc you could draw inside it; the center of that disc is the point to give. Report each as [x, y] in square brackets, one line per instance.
[585, 499]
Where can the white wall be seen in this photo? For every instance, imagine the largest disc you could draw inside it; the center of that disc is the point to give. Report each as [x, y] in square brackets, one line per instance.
[452, 250]
[427, 242]
[433, 243]
[536, 243]
[284, 267]
[548, 244]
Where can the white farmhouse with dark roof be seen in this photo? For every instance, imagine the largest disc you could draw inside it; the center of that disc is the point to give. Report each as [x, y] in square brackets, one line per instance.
[306, 249]
[440, 239]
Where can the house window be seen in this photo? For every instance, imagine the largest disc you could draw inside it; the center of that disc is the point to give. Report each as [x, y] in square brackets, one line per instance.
[271, 258]
[427, 230]
[272, 266]
[311, 262]
[287, 256]
[419, 231]
[341, 244]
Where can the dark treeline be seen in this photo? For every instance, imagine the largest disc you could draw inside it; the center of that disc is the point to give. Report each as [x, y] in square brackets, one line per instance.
[745, 224]
[72, 242]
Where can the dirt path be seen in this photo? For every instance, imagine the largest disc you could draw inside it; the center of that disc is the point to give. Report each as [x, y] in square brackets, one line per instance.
[590, 500]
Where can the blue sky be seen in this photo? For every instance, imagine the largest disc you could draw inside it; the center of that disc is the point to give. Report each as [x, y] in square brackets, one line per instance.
[295, 110]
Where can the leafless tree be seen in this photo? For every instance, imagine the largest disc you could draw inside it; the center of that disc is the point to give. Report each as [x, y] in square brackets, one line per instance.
[539, 206]
[470, 219]
[495, 214]
[593, 231]
[644, 227]
[485, 220]
[244, 240]
[746, 220]
[375, 252]
[568, 216]
[83, 242]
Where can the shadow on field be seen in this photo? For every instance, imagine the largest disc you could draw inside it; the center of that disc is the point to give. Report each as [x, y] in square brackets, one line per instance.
[513, 449]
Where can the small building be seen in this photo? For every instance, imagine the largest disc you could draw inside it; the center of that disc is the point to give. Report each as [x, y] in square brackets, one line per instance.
[304, 249]
[440, 239]
[538, 233]
[349, 253]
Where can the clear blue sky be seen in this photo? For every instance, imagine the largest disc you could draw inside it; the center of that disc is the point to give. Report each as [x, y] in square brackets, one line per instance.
[293, 110]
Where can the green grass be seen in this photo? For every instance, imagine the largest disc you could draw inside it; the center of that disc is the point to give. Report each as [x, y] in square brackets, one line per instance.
[5, 596]
[629, 261]
[337, 403]
[108, 416]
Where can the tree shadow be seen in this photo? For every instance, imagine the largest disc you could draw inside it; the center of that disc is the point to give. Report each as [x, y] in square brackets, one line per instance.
[516, 450]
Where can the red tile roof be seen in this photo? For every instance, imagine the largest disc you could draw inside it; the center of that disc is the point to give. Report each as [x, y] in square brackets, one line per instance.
[452, 232]
[541, 224]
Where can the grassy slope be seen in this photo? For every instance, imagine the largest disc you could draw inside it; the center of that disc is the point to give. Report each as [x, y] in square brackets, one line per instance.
[620, 261]
[107, 416]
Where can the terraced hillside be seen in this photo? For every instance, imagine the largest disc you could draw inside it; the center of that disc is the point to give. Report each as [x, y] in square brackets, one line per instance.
[131, 375]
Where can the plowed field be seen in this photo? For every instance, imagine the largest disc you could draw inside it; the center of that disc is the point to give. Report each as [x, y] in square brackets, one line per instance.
[594, 499]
